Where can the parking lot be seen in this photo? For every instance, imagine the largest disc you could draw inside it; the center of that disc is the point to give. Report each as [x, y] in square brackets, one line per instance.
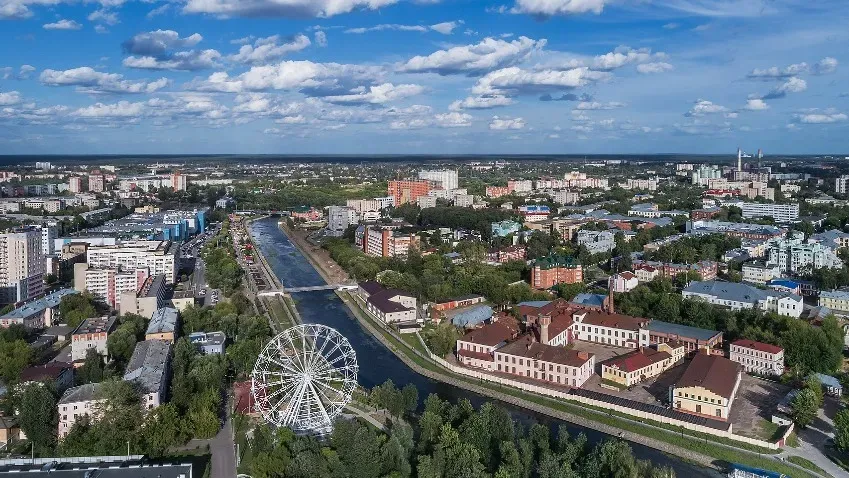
[754, 406]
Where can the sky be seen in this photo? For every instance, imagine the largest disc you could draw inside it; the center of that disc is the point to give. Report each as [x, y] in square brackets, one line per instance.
[423, 76]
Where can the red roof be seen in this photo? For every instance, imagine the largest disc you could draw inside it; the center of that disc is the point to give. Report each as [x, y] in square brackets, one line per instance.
[614, 321]
[626, 275]
[760, 346]
[637, 360]
[493, 333]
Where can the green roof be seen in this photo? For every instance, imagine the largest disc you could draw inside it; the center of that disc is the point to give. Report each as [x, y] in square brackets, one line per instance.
[557, 261]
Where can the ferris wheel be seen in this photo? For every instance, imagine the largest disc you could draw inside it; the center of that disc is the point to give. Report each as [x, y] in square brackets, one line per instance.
[304, 377]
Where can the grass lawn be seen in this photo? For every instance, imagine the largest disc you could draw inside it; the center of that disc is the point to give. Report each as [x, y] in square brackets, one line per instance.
[699, 443]
[413, 341]
[804, 462]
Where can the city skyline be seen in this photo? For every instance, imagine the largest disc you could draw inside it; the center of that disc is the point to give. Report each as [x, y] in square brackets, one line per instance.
[395, 77]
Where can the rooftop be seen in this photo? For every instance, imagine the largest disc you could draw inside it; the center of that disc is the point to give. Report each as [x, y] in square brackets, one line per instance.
[681, 330]
[50, 371]
[834, 294]
[207, 338]
[472, 316]
[637, 360]
[589, 300]
[96, 325]
[712, 372]
[735, 291]
[147, 366]
[40, 305]
[616, 321]
[82, 393]
[493, 333]
[759, 346]
[163, 321]
[133, 466]
[152, 285]
[525, 347]
[557, 261]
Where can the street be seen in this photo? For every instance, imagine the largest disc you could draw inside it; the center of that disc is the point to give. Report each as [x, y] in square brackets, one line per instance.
[222, 448]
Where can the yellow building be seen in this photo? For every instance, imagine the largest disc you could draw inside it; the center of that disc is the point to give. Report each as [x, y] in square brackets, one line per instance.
[708, 387]
[644, 363]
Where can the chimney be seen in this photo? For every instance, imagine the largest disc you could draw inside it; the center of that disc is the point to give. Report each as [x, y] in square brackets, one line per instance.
[739, 159]
[610, 308]
[544, 322]
[583, 355]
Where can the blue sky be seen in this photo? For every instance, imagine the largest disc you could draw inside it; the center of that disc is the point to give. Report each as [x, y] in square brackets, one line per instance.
[426, 76]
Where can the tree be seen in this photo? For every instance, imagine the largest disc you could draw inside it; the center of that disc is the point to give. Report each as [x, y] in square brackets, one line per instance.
[75, 308]
[841, 430]
[804, 407]
[14, 357]
[92, 370]
[162, 430]
[38, 417]
[120, 345]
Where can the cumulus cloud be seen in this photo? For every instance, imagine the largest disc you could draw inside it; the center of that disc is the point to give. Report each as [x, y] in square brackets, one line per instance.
[24, 73]
[453, 119]
[480, 103]
[792, 85]
[825, 66]
[474, 59]
[625, 55]
[159, 43]
[271, 48]
[654, 67]
[548, 8]
[320, 38]
[595, 105]
[104, 16]
[9, 98]
[504, 123]
[566, 97]
[756, 104]
[776, 73]
[156, 50]
[815, 116]
[63, 25]
[514, 80]
[191, 60]
[121, 109]
[281, 8]
[88, 80]
[378, 94]
[445, 28]
[705, 107]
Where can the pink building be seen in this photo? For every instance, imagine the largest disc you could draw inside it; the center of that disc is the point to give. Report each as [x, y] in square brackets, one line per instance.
[557, 365]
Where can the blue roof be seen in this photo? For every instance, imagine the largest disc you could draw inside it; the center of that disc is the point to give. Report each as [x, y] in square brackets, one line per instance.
[589, 299]
[681, 330]
[535, 303]
[828, 380]
[37, 306]
[475, 315]
[784, 283]
[757, 471]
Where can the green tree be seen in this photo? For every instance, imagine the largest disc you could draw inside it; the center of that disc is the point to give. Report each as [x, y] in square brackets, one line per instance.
[92, 370]
[75, 308]
[804, 407]
[14, 357]
[162, 430]
[841, 430]
[38, 417]
[120, 345]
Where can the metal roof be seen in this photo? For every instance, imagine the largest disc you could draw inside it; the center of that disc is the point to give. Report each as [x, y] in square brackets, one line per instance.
[473, 316]
[148, 364]
[37, 306]
[681, 330]
[163, 321]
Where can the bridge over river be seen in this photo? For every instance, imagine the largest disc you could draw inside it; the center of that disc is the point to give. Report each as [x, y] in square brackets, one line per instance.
[289, 290]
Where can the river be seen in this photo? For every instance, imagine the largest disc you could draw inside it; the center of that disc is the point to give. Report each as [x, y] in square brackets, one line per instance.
[377, 363]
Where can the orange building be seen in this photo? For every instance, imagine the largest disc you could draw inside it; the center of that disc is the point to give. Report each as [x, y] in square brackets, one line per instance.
[553, 270]
[408, 190]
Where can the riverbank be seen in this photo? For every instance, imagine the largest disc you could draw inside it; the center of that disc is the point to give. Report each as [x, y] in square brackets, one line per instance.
[703, 450]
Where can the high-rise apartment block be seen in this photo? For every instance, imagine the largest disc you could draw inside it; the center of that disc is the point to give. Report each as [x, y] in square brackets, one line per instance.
[841, 184]
[108, 285]
[178, 181]
[779, 212]
[159, 257]
[75, 184]
[340, 218]
[444, 179]
[408, 190]
[96, 182]
[21, 265]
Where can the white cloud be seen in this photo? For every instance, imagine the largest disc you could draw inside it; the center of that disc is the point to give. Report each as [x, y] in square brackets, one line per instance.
[825, 66]
[792, 85]
[9, 98]
[453, 120]
[821, 117]
[705, 107]
[504, 123]
[756, 104]
[181, 61]
[104, 16]
[269, 49]
[378, 94]
[595, 105]
[671, 26]
[776, 73]
[446, 28]
[100, 29]
[160, 10]
[63, 25]
[480, 102]
[409, 124]
[158, 43]
[549, 8]
[320, 38]
[292, 75]
[624, 55]
[88, 80]
[122, 109]
[514, 80]
[655, 67]
[489, 54]
[281, 8]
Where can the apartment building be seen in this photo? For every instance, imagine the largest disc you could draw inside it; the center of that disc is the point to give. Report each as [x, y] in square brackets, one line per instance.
[92, 333]
[22, 265]
[108, 285]
[796, 256]
[75, 184]
[625, 282]
[841, 184]
[558, 365]
[597, 242]
[444, 179]
[567, 197]
[150, 369]
[734, 229]
[159, 257]
[553, 270]
[708, 387]
[758, 357]
[340, 218]
[706, 269]
[76, 402]
[49, 233]
[644, 363]
[781, 213]
[476, 348]
[163, 325]
[836, 300]
[96, 182]
[425, 202]
[38, 313]
[736, 296]
[149, 298]
[178, 181]
[760, 272]
[388, 305]
[385, 241]
[833, 238]
[646, 184]
[408, 190]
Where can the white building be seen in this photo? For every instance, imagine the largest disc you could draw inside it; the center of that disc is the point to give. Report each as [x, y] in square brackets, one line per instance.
[22, 265]
[797, 255]
[647, 184]
[736, 296]
[760, 273]
[758, 357]
[596, 241]
[425, 202]
[178, 181]
[77, 402]
[602, 327]
[91, 334]
[779, 212]
[149, 369]
[567, 197]
[75, 184]
[340, 218]
[625, 282]
[387, 305]
[836, 300]
[445, 179]
[558, 365]
[464, 200]
[108, 285]
[49, 233]
[159, 257]
[841, 185]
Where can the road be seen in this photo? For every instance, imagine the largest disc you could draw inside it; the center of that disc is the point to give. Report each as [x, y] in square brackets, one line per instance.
[223, 451]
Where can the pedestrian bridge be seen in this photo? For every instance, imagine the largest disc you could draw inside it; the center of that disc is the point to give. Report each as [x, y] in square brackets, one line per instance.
[289, 290]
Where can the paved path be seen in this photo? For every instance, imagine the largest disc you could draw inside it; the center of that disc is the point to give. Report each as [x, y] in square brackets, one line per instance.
[813, 440]
[223, 451]
[365, 416]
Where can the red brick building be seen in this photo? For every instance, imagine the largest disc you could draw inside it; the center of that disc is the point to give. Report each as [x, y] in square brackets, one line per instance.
[408, 190]
[553, 270]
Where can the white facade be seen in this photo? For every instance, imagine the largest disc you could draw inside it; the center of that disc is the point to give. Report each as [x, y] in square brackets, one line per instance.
[446, 179]
[758, 358]
[156, 256]
[625, 282]
[758, 273]
[779, 212]
[425, 202]
[742, 296]
[597, 241]
[69, 411]
[464, 200]
[49, 233]
[339, 218]
[567, 197]
[797, 255]
[549, 371]
[841, 185]
[22, 265]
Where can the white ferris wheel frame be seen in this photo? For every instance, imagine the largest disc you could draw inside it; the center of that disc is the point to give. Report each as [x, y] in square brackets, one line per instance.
[304, 377]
